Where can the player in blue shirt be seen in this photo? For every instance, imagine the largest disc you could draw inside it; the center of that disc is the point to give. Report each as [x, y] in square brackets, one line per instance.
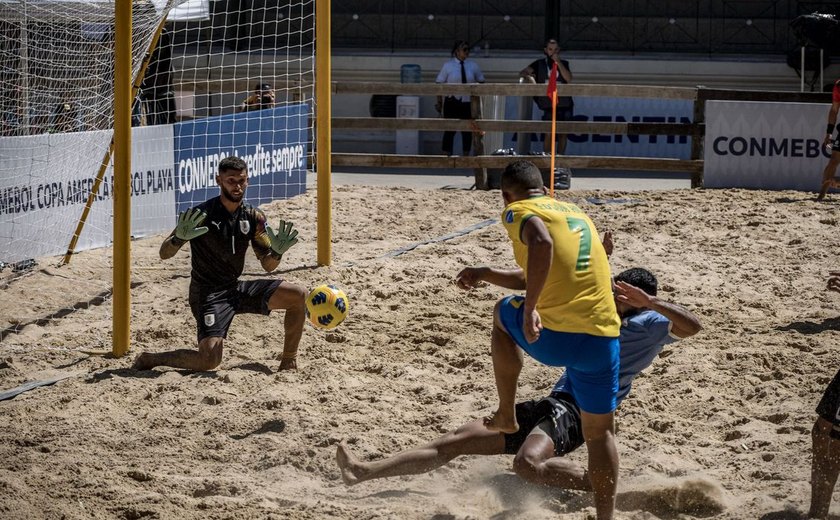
[549, 427]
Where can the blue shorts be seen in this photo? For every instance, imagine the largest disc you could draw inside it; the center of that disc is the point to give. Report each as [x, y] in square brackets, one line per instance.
[591, 361]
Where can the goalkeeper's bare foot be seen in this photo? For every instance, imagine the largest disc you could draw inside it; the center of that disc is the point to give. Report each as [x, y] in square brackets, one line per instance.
[288, 364]
[502, 422]
[351, 468]
[143, 362]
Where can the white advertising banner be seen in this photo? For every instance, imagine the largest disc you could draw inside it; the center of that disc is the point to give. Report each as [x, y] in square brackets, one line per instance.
[47, 179]
[153, 184]
[768, 146]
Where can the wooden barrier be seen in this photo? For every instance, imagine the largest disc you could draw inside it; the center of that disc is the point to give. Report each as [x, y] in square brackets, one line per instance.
[481, 162]
[513, 89]
[491, 125]
[500, 161]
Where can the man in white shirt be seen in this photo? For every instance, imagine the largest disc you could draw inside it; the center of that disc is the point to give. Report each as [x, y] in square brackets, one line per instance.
[460, 69]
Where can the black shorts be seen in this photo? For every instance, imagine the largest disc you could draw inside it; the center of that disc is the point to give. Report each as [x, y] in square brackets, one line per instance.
[562, 419]
[214, 309]
[829, 407]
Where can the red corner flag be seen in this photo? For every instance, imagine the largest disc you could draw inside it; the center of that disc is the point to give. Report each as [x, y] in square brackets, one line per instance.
[552, 81]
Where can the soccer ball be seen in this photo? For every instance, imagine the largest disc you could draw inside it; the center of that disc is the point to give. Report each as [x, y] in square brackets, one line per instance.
[326, 306]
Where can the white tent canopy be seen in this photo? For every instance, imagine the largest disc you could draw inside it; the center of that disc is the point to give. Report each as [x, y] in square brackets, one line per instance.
[191, 10]
[51, 10]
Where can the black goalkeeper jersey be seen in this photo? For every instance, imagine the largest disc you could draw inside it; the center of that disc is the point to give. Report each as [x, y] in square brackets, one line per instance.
[218, 256]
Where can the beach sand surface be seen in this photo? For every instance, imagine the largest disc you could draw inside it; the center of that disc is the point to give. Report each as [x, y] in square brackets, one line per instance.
[718, 427]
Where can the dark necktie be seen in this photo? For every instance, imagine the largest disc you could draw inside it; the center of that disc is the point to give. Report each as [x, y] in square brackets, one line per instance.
[463, 73]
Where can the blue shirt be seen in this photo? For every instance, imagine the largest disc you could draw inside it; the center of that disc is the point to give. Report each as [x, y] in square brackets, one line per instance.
[641, 338]
[451, 73]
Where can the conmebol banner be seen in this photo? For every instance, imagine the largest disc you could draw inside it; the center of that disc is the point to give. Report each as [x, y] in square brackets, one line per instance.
[768, 146]
[272, 142]
[47, 179]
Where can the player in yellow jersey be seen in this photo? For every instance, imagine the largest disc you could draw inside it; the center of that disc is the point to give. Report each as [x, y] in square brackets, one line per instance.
[567, 317]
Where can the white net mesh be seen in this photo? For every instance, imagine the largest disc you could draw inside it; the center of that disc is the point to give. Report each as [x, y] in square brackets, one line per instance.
[223, 79]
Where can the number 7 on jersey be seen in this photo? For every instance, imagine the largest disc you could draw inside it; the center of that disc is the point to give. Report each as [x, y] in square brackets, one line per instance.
[578, 225]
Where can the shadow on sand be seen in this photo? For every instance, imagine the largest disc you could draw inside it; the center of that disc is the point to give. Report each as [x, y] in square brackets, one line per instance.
[790, 514]
[810, 327]
[273, 426]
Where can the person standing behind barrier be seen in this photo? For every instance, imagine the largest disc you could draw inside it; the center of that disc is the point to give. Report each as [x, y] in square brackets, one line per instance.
[460, 69]
[539, 72]
[828, 180]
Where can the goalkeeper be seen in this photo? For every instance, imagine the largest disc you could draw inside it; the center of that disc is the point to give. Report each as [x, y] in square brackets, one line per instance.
[219, 231]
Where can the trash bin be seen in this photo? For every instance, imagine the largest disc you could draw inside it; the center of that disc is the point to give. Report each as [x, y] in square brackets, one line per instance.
[493, 107]
[408, 141]
[524, 112]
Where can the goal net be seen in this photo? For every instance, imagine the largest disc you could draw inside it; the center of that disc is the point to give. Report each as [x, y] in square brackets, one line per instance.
[212, 79]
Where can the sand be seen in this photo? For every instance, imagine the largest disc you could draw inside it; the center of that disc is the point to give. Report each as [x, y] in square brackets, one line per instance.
[718, 427]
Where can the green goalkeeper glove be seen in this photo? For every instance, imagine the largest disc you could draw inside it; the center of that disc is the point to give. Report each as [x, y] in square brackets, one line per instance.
[188, 222]
[282, 240]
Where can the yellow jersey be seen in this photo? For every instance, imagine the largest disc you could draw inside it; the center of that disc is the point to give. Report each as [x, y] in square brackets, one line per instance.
[577, 296]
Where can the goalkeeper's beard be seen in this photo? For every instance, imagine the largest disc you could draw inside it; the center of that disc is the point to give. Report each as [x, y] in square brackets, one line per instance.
[230, 196]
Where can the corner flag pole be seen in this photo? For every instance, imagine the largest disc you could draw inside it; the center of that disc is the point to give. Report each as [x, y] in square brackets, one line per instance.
[552, 93]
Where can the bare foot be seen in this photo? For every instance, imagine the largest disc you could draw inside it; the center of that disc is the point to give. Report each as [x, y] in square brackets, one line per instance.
[351, 470]
[501, 422]
[823, 192]
[832, 183]
[143, 362]
[288, 364]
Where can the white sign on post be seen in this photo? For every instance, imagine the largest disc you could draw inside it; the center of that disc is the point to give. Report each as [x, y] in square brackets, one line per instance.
[768, 146]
